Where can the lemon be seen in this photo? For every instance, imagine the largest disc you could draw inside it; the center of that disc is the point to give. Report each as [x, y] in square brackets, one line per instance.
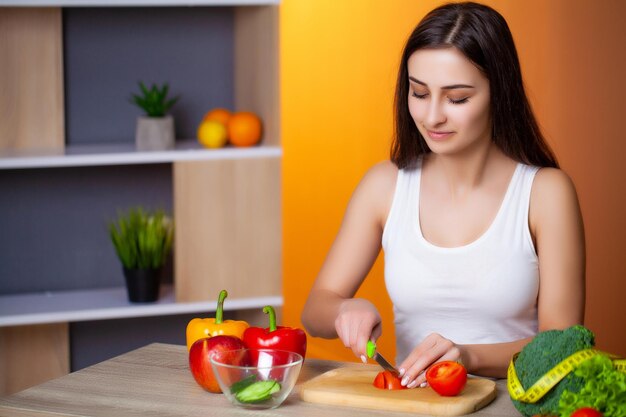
[212, 134]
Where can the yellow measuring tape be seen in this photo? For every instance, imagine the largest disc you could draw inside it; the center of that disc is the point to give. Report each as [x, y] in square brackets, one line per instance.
[554, 376]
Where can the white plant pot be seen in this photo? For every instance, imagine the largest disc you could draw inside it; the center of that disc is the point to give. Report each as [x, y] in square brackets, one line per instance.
[154, 133]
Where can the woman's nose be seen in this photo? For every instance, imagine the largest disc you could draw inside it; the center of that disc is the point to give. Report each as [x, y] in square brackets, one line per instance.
[435, 115]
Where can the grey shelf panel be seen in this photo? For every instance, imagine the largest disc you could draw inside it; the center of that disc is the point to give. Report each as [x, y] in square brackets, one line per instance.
[107, 303]
[125, 154]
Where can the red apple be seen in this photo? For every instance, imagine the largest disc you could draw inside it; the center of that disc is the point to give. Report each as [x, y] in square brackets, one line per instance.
[200, 354]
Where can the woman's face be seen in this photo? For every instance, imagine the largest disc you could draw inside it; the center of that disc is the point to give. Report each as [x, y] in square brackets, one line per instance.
[449, 100]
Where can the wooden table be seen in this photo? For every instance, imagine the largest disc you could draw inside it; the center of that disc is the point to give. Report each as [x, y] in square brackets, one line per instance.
[155, 381]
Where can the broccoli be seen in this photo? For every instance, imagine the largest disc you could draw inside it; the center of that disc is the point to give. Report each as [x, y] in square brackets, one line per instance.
[546, 350]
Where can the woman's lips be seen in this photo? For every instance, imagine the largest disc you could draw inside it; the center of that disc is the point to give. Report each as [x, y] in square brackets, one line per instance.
[434, 135]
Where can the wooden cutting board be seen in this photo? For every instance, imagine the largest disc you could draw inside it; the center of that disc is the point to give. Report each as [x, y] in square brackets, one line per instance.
[352, 387]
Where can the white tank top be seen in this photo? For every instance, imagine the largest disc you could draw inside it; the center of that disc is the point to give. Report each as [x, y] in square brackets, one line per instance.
[483, 292]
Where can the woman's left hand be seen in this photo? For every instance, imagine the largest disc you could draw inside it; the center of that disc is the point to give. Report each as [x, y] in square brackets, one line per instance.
[434, 348]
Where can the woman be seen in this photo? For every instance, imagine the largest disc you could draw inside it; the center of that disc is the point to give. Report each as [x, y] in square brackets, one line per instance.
[482, 233]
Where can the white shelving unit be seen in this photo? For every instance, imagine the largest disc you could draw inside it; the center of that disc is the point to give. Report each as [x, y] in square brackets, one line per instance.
[107, 303]
[35, 325]
[254, 31]
[125, 154]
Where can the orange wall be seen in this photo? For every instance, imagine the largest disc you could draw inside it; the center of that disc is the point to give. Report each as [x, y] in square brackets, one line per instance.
[338, 68]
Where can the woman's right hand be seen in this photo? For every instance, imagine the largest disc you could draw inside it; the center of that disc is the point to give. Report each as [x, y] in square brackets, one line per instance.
[357, 322]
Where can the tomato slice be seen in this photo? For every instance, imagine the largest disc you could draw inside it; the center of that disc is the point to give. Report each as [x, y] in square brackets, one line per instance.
[586, 412]
[387, 380]
[447, 378]
[379, 381]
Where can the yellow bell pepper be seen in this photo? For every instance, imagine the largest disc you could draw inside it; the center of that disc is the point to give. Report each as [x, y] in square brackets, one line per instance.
[201, 328]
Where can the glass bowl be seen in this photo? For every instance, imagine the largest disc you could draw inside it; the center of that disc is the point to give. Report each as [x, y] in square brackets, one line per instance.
[256, 378]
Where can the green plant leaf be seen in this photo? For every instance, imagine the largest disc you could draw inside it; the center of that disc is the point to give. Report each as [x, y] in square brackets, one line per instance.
[163, 92]
[153, 101]
[168, 104]
[141, 239]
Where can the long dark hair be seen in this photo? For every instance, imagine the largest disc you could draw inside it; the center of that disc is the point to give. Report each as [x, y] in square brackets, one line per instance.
[483, 36]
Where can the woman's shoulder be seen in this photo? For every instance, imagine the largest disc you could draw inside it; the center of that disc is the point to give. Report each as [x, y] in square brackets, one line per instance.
[553, 197]
[552, 182]
[384, 169]
[381, 176]
[374, 193]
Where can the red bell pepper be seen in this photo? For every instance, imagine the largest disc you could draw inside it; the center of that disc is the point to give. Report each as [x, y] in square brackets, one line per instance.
[275, 337]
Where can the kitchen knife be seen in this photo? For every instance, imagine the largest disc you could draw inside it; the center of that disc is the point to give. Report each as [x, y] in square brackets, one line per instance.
[384, 363]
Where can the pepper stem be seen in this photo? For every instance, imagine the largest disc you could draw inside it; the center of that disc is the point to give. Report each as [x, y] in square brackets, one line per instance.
[270, 310]
[219, 313]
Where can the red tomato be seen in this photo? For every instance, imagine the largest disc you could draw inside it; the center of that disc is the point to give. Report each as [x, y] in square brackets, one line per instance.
[586, 412]
[447, 378]
[387, 380]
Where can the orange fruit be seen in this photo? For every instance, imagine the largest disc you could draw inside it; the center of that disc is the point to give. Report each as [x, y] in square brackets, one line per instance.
[219, 115]
[244, 129]
[212, 134]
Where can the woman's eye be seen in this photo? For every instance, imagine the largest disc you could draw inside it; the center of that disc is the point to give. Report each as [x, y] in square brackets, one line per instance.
[419, 96]
[459, 100]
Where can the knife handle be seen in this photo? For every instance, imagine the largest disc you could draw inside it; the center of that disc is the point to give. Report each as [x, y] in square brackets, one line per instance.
[371, 349]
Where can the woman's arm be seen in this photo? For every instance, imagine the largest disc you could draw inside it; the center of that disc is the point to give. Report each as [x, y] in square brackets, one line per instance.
[556, 225]
[557, 228]
[490, 360]
[330, 310]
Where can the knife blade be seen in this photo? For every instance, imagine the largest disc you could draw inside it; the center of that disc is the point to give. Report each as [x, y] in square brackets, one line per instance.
[384, 363]
[380, 359]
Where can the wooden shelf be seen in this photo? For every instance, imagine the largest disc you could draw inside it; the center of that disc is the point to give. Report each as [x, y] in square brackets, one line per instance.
[133, 3]
[125, 154]
[236, 244]
[107, 303]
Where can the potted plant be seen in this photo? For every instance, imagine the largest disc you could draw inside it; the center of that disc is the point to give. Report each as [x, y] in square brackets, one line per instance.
[155, 130]
[142, 242]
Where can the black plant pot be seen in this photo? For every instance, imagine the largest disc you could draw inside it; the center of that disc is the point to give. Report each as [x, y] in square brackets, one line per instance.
[143, 284]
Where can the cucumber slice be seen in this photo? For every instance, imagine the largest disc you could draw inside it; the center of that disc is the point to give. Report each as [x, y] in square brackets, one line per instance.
[240, 385]
[258, 391]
